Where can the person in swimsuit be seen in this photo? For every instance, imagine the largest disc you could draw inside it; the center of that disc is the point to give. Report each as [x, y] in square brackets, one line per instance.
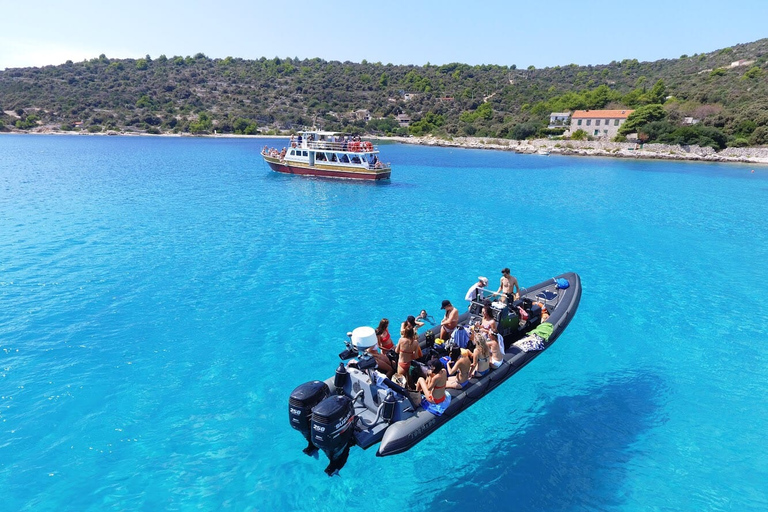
[497, 356]
[480, 357]
[488, 323]
[451, 320]
[458, 369]
[382, 334]
[408, 348]
[424, 316]
[433, 386]
[507, 286]
[411, 320]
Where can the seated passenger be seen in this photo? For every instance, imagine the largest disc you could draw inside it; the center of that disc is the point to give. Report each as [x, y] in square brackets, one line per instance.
[433, 386]
[480, 358]
[495, 345]
[383, 364]
[450, 321]
[409, 349]
[458, 369]
[383, 337]
[488, 323]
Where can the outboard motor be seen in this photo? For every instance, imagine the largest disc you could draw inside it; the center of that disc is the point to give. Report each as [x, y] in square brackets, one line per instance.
[300, 405]
[333, 422]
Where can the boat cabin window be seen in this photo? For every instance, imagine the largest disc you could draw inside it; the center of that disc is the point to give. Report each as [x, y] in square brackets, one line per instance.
[333, 157]
[320, 157]
[355, 159]
[293, 152]
[304, 153]
[343, 158]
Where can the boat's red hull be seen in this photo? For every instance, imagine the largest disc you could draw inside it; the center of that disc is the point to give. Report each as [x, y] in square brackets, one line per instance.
[373, 174]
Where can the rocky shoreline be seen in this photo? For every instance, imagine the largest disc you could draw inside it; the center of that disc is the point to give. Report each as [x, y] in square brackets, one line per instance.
[754, 155]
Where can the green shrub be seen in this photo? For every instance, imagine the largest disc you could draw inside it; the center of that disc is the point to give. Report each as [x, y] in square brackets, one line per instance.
[759, 137]
[739, 142]
[579, 135]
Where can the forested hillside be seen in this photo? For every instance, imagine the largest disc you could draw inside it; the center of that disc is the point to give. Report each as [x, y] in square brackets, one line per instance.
[196, 94]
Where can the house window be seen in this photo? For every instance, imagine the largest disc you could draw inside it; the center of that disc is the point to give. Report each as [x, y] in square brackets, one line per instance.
[597, 122]
[605, 132]
[597, 132]
[589, 122]
[579, 122]
[616, 123]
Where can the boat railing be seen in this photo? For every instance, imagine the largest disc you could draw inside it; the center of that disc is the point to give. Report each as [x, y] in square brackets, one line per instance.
[380, 166]
[352, 147]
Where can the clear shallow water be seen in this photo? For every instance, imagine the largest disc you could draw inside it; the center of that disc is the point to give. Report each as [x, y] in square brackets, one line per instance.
[160, 298]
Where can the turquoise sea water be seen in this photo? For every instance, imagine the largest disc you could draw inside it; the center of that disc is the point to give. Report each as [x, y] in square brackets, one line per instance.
[160, 298]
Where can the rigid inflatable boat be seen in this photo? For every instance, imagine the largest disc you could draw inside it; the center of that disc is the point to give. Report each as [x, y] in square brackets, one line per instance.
[361, 406]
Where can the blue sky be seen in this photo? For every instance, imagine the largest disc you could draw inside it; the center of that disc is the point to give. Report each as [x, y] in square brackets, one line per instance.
[547, 33]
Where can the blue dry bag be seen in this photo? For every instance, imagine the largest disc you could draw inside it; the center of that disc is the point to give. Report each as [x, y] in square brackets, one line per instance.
[562, 283]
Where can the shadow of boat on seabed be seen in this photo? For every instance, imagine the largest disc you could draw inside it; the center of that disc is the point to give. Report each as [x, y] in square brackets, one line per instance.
[571, 456]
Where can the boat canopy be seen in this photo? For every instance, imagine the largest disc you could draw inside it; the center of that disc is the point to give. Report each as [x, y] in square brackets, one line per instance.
[319, 134]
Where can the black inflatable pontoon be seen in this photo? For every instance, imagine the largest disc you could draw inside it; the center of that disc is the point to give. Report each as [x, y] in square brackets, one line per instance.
[359, 405]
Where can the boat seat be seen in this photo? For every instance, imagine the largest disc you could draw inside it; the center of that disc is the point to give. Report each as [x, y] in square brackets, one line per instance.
[500, 372]
[458, 399]
[518, 359]
[546, 295]
[477, 387]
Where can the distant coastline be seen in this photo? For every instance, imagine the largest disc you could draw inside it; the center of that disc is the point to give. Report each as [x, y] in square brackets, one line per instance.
[752, 155]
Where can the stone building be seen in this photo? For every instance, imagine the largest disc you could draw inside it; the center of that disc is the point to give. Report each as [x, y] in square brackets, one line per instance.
[600, 124]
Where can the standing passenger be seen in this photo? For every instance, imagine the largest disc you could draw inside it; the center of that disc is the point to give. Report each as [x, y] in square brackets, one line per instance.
[450, 321]
[409, 350]
[476, 290]
[383, 337]
[507, 286]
